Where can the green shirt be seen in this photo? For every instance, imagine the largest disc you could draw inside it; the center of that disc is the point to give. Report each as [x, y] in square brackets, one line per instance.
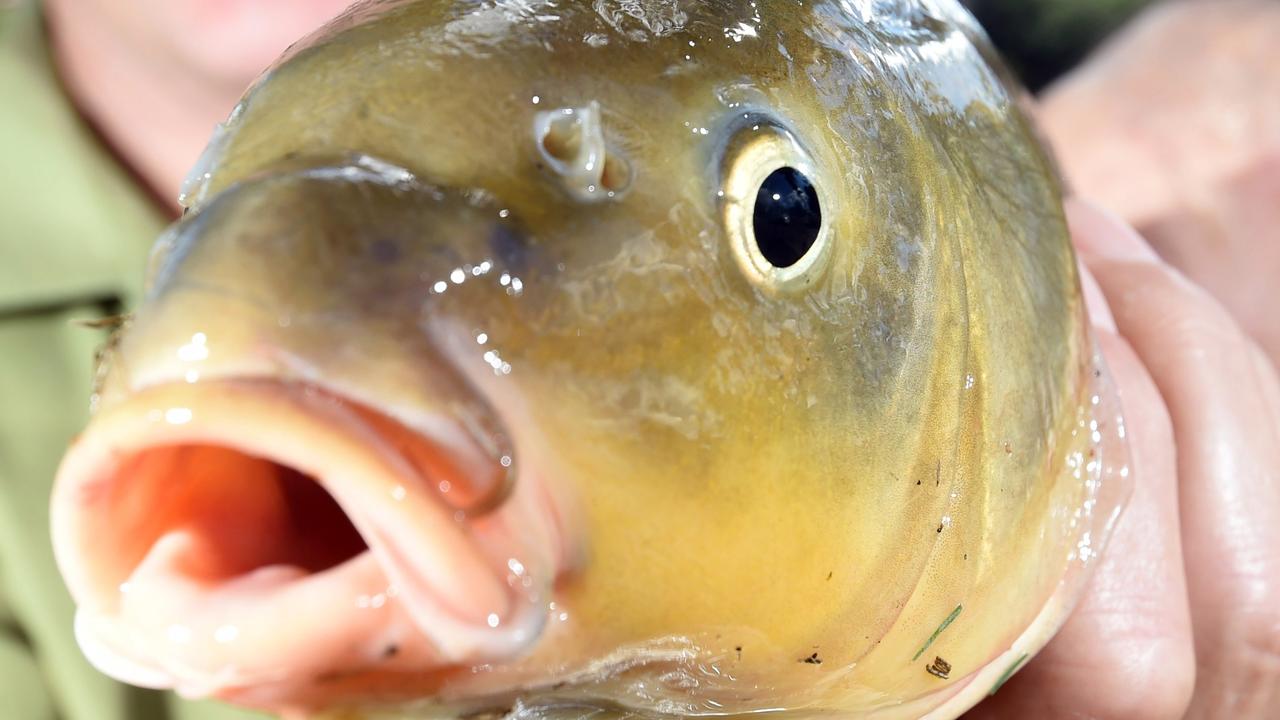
[74, 234]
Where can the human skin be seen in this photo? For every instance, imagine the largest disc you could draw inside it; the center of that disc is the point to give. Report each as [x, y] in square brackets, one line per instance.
[133, 67]
[1200, 177]
[1182, 617]
[1158, 632]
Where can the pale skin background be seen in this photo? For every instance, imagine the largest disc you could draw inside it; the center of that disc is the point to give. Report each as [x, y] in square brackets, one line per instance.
[1175, 125]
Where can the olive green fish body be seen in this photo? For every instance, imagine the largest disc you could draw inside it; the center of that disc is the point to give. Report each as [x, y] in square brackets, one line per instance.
[866, 483]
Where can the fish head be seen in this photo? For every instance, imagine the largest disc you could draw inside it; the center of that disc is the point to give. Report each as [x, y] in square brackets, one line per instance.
[687, 358]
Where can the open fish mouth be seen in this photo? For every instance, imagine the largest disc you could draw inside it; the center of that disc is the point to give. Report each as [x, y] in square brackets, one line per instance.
[243, 533]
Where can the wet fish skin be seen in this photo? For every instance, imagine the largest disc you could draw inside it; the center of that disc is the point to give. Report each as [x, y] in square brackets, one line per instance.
[789, 497]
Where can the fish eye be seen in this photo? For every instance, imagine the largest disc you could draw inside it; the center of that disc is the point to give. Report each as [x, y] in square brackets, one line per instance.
[787, 217]
[773, 209]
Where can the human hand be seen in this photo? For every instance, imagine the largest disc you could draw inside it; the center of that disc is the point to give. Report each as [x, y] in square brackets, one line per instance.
[1175, 124]
[1182, 616]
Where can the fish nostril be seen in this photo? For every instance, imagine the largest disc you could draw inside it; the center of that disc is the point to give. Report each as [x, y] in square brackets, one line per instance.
[616, 175]
[572, 143]
[562, 139]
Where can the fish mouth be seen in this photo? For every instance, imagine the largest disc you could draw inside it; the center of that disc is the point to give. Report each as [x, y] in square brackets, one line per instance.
[244, 533]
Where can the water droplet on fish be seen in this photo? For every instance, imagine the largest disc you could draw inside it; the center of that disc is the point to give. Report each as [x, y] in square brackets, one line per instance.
[196, 350]
[192, 191]
[179, 634]
[226, 634]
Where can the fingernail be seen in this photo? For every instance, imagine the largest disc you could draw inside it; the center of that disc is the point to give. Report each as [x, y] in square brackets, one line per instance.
[1094, 301]
[1100, 233]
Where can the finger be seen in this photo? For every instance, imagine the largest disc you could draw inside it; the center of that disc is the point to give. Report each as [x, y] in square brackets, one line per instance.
[1126, 650]
[1220, 398]
[1095, 302]
[1264, 368]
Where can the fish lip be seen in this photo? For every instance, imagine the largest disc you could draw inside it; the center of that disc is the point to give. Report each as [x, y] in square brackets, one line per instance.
[454, 610]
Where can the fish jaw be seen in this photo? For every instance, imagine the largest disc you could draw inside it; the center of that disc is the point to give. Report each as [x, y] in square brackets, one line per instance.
[192, 525]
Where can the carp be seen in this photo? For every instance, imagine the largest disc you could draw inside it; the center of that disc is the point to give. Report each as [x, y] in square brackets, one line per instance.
[638, 358]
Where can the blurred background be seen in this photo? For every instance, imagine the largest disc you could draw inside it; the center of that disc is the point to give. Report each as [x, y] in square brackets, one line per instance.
[1042, 39]
[1168, 114]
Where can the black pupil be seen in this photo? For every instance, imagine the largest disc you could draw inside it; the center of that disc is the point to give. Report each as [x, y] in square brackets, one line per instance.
[787, 217]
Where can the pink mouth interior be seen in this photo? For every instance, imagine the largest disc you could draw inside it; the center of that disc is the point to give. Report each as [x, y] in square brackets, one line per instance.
[244, 513]
[263, 535]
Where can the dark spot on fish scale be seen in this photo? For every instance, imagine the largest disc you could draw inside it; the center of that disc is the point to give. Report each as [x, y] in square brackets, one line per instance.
[939, 669]
[391, 651]
[510, 248]
[385, 251]
[812, 660]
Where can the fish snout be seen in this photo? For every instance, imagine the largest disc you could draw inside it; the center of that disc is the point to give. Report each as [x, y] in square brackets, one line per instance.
[233, 534]
[262, 507]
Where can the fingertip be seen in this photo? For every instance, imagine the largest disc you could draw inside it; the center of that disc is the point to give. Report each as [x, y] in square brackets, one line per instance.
[1095, 301]
[1098, 232]
[1266, 374]
[1155, 682]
